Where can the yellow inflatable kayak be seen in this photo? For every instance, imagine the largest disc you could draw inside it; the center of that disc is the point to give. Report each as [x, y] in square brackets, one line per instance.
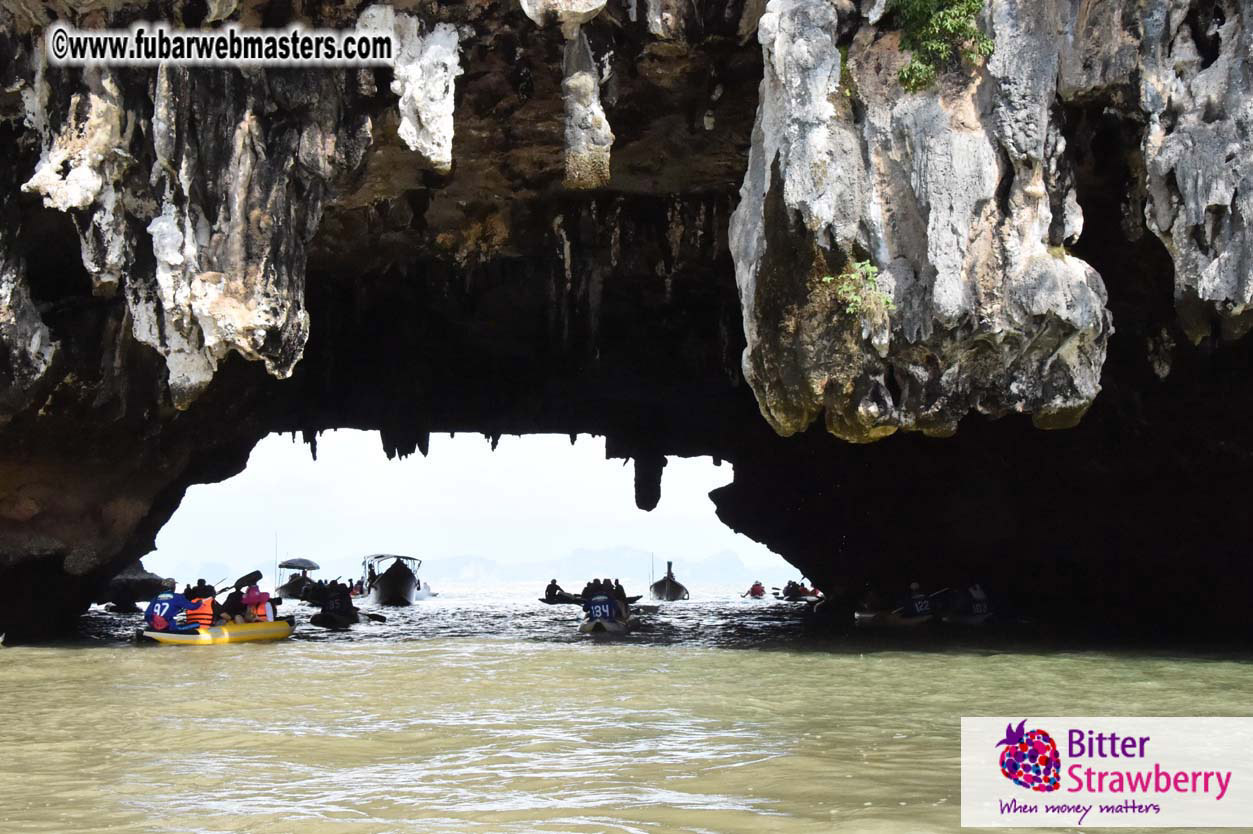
[231, 633]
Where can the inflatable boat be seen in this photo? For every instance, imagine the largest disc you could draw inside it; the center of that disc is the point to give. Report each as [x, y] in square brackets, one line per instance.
[220, 635]
[607, 627]
[574, 599]
[888, 619]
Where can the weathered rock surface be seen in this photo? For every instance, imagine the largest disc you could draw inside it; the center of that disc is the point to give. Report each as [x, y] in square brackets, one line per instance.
[959, 195]
[1199, 152]
[964, 198]
[132, 585]
[530, 224]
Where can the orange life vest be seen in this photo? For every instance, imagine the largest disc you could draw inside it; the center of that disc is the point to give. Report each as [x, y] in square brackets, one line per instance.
[262, 612]
[202, 616]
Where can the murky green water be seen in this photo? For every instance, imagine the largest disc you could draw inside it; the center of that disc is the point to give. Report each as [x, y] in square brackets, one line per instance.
[494, 718]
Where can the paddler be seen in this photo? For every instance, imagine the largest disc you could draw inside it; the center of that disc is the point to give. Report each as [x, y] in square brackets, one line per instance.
[917, 605]
[233, 607]
[619, 594]
[164, 607]
[338, 601]
[601, 606]
[553, 591]
[257, 606]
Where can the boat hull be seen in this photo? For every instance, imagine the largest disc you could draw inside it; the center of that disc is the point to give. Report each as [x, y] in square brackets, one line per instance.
[668, 590]
[967, 619]
[805, 598]
[606, 628]
[575, 599]
[297, 588]
[224, 634]
[888, 619]
[394, 587]
[332, 621]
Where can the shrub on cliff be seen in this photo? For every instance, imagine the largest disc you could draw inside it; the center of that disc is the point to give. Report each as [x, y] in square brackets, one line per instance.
[940, 34]
[857, 288]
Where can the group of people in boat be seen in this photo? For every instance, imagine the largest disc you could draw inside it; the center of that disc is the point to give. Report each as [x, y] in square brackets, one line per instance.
[971, 601]
[797, 590]
[199, 608]
[604, 600]
[335, 597]
[596, 593]
[792, 591]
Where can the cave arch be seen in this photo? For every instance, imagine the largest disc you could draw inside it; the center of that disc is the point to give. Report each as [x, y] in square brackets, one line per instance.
[478, 295]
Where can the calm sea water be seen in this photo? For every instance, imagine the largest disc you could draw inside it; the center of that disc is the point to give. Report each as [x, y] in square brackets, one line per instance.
[493, 715]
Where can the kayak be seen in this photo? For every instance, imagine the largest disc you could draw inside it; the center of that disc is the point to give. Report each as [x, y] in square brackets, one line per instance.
[887, 619]
[231, 633]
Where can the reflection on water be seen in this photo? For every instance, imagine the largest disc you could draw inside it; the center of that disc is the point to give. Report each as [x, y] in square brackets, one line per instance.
[494, 716]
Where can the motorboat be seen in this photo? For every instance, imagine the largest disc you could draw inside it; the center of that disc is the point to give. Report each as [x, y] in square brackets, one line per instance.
[668, 589]
[298, 584]
[395, 584]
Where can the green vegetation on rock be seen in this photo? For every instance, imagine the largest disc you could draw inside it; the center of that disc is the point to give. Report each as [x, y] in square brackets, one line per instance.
[940, 34]
[857, 288]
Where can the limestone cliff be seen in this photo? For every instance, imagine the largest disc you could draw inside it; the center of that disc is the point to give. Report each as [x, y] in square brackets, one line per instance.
[964, 196]
[589, 216]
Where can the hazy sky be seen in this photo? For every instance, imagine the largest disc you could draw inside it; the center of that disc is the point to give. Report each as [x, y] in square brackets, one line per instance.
[535, 499]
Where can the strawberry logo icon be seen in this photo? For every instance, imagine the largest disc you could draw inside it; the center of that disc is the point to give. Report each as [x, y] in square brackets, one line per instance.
[1030, 758]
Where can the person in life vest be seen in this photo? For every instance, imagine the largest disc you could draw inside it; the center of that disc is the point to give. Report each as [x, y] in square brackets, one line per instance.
[257, 606]
[204, 613]
[553, 591]
[601, 607]
[918, 604]
[977, 602]
[164, 607]
[757, 590]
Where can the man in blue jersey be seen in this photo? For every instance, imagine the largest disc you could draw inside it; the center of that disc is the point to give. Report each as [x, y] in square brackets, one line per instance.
[164, 607]
[601, 607]
[917, 604]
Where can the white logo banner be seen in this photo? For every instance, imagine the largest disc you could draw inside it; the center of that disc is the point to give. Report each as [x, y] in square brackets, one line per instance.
[1106, 772]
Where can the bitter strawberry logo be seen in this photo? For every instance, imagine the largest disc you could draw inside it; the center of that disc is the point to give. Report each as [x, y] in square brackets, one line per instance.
[1030, 758]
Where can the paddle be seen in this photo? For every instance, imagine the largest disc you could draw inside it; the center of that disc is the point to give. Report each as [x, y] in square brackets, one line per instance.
[378, 618]
[243, 582]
